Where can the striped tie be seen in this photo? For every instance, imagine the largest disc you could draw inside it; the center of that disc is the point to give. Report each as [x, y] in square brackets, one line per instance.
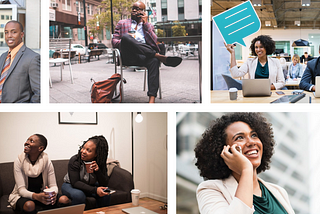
[4, 73]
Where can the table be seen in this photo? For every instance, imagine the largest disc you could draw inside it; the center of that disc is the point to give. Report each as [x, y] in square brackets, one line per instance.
[222, 96]
[147, 203]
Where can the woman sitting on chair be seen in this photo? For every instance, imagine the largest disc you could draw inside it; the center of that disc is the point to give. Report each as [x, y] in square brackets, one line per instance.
[261, 66]
[82, 181]
[295, 69]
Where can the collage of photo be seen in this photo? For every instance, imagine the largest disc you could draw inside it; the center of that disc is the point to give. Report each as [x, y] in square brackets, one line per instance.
[159, 106]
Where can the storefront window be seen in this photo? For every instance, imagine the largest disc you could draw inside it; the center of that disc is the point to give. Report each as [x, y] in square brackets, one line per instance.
[66, 32]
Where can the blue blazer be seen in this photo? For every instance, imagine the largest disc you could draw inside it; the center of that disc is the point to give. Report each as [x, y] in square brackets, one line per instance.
[22, 84]
[309, 76]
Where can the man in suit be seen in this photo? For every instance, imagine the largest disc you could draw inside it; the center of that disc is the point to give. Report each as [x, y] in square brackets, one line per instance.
[309, 76]
[20, 69]
[137, 42]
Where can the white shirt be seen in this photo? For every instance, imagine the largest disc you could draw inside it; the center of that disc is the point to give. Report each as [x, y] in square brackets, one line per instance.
[139, 31]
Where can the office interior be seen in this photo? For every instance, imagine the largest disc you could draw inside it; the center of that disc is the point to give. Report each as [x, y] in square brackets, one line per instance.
[140, 148]
[285, 21]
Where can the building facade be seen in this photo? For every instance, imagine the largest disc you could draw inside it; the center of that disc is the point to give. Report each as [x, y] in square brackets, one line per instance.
[67, 20]
[186, 12]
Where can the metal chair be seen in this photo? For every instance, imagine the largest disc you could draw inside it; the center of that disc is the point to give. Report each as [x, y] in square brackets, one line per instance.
[63, 47]
[119, 65]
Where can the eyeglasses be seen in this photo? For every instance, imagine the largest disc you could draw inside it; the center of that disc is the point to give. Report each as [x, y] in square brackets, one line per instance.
[137, 8]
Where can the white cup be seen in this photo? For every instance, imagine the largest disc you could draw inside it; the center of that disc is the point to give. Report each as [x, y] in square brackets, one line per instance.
[49, 192]
[233, 93]
[135, 194]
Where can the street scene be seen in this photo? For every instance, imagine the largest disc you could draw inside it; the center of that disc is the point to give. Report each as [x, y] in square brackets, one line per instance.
[83, 40]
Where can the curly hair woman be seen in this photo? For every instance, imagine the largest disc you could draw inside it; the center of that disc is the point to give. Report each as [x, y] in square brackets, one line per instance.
[261, 66]
[230, 155]
[82, 181]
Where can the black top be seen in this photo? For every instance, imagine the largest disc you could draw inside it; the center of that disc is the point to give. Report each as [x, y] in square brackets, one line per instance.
[75, 166]
[35, 184]
[305, 59]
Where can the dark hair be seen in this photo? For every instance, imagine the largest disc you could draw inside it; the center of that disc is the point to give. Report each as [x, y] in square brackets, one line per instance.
[20, 25]
[208, 149]
[102, 150]
[266, 41]
[43, 140]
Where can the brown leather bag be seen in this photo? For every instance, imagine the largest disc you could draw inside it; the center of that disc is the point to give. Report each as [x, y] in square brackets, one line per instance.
[102, 91]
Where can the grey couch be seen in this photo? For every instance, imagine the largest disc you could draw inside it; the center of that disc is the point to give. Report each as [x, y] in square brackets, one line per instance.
[120, 180]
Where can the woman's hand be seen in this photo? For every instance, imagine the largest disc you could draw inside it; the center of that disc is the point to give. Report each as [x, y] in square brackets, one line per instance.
[236, 161]
[100, 191]
[45, 198]
[272, 87]
[94, 166]
[230, 47]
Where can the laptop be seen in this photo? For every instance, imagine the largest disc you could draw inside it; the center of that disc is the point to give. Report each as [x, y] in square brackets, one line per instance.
[317, 92]
[76, 209]
[256, 87]
[138, 210]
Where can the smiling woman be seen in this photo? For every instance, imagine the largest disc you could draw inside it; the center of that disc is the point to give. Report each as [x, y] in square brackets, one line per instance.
[232, 184]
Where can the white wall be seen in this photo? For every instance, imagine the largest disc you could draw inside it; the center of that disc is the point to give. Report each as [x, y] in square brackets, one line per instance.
[281, 35]
[172, 9]
[32, 28]
[191, 9]
[150, 172]
[150, 147]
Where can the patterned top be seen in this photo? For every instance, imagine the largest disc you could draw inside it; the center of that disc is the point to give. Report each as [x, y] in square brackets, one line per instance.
[124, 26]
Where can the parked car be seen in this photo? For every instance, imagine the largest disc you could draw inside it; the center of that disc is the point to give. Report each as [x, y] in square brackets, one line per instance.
[97, 46]
[78, 48]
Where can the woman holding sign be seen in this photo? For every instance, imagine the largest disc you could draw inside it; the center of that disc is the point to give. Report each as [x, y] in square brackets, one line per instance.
[87, 173]
[230, 155]
[261, 66]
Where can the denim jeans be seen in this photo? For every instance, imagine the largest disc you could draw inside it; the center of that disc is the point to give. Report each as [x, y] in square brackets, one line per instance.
[77, 196]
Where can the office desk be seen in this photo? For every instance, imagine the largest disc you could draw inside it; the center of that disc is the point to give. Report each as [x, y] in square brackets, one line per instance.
[222, 96]
[147, 203]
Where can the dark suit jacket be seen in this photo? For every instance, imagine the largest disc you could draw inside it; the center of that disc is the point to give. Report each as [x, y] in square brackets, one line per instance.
[22, 84]
[124, 26]
[309, 76]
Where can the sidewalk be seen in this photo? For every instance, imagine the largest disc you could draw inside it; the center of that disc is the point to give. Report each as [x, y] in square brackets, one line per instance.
[179, 84]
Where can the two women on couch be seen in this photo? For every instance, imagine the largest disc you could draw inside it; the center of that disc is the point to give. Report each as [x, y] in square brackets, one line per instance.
[33, 172]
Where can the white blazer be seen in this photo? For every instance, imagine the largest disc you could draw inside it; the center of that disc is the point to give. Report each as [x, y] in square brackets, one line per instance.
[275, 71]
[217, 196]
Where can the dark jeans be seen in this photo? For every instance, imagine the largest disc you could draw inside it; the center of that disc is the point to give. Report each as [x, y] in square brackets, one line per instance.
[79, 197]
[141, 54]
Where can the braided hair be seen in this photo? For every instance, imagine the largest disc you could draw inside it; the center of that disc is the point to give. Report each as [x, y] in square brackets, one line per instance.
[102, 150]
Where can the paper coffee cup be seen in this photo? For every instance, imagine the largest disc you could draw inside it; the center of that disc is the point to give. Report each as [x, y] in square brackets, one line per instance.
[88, 167]
[233, 93]
[49, 192]
[135, 194]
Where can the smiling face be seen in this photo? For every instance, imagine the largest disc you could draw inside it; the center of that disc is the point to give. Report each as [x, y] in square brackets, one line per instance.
[13, 34]
[88, 151]
[241, 134]
[33, 145]
[259, 49]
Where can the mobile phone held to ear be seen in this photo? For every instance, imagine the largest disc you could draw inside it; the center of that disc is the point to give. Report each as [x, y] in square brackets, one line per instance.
[109, 191]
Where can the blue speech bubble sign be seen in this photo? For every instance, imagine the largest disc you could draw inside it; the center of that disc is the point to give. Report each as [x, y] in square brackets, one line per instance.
[237, 23]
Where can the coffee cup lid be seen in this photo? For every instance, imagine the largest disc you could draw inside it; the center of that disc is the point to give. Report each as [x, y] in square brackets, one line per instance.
[233, 89]
[135, 191]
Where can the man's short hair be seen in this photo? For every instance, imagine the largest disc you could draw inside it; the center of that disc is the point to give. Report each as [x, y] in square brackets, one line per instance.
[20, 25]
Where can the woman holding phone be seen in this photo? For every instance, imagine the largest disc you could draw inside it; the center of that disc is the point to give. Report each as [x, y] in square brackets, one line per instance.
[261, 66]
[230, 155]
[87, 173]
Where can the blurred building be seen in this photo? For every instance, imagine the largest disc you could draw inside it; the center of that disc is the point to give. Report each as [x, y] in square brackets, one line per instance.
[67, 20]
[186, 12]
[28, 13]
[289, 167]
